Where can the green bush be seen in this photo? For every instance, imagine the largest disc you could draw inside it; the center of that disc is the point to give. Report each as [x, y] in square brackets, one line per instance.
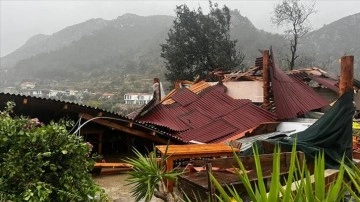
[43, 162]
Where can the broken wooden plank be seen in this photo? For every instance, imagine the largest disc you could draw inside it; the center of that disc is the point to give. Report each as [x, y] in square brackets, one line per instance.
[112, 165]
[329, 174]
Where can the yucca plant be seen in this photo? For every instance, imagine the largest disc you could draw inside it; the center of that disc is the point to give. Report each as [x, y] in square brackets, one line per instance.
[148, 177]
[306, 189]
[353, 173]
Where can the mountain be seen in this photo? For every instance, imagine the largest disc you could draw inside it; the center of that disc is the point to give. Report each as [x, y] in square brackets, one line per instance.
[46, 43]
[129, 44]
[334, 40]
[124, 45]
[128, 48]
[250, 39]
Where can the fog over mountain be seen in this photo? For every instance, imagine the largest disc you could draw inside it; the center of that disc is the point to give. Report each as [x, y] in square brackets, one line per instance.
[334, 40]
[111, 49]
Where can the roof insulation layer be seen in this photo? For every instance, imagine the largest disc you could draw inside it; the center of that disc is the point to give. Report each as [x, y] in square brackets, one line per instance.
[252, 90]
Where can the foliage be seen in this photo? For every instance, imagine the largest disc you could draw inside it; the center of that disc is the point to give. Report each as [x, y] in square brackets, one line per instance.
[198, 44]
[305, 189]
[354, 174]
[294, 15]
[149, 176]
[43, 162]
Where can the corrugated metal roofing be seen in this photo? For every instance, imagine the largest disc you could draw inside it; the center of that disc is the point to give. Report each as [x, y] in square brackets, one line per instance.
[166, 116]
[327, 82]
[184, 96]
[216, 129]
[292, 98]
[212, 117]
[194, 119]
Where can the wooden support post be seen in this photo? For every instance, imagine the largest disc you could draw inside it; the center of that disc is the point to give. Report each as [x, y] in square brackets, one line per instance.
[100, 143]
[210, 184]
[128, 144]
[346, 74]
[169, 167]
[266, 79]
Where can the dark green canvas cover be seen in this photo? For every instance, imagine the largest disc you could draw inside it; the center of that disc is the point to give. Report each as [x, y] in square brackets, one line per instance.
[332, 133]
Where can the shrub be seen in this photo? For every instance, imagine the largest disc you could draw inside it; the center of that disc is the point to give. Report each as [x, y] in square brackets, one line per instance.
[43, 162]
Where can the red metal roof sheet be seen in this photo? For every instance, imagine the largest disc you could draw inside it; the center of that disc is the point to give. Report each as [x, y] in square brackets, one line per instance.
[292, 98]
[325, 81]
[214, 104]
[253, 116]
[211, 117]
[166, 116]
[194, 119]
[207, 133]
[184, 96]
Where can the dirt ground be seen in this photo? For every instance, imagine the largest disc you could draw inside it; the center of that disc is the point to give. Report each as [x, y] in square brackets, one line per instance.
[114, 186]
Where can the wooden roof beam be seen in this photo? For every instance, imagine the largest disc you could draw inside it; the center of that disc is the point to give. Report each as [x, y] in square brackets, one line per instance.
[132, 131]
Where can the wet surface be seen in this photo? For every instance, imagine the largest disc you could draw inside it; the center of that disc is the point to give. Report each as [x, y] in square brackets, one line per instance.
[116, 189]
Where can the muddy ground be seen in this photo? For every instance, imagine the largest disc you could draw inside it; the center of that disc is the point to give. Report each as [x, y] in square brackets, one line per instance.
[114, 186]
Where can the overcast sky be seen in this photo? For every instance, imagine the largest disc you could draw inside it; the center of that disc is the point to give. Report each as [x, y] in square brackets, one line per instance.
[21, 20]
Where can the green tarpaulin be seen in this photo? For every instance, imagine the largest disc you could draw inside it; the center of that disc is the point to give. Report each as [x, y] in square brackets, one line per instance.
[332, 133]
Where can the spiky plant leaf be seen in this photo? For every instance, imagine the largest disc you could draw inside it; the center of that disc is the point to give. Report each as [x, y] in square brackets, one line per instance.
[148, 175]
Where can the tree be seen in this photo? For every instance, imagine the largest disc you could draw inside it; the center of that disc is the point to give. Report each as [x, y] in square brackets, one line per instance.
[294, 16]
[198, 44]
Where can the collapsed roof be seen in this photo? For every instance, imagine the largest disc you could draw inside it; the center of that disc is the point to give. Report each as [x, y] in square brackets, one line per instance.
[208, 115]
[53, 110]
[207, 112]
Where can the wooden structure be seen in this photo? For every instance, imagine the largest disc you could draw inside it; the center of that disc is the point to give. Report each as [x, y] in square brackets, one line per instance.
[174, 152]
[266, 79]
[330, 176]
[111, 168]
[346, 74]
[197, 182]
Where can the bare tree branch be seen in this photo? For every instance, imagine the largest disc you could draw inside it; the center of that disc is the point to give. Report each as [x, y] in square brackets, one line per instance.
[293, 15]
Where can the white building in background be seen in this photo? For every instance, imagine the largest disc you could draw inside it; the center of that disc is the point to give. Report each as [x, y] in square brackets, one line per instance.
[27, 85]
[53, 93]
[137, 98]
